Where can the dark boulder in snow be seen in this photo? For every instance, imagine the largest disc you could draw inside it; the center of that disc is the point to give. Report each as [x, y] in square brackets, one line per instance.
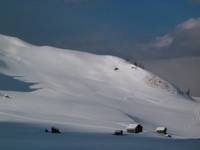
[116, 68]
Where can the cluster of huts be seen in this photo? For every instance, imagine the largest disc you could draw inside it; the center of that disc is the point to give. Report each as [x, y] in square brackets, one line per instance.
[137, 128]
[131, 128]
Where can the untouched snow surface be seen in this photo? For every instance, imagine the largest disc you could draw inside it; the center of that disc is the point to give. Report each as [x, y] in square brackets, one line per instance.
[83, 93]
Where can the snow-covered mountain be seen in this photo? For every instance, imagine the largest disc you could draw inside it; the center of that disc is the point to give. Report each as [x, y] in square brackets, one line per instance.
[87, 92]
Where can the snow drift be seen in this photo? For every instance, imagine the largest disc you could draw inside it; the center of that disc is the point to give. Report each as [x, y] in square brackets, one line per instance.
[82, 91]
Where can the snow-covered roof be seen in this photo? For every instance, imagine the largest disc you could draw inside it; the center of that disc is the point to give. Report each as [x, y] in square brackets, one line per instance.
[160, 128]
[132, 125]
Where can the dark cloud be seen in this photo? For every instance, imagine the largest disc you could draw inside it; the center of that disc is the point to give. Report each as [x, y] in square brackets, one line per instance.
[183, 72]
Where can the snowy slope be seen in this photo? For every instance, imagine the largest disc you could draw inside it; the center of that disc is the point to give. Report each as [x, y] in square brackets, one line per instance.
[82, 91]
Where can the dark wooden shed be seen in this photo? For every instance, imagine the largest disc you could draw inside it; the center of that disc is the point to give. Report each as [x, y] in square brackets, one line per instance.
[134, 128]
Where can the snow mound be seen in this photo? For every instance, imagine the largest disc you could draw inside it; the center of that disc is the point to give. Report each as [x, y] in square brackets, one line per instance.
[86, 92]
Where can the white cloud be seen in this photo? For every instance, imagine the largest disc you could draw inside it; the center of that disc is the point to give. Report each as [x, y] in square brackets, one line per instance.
[163, 41]
[184, 40]
[189, 24]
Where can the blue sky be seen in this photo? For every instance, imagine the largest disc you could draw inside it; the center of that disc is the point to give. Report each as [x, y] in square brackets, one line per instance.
[99, 26]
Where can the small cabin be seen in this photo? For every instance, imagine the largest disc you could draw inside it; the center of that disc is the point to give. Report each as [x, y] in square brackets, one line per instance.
[55, 130]
[161, 130]
[118, 132]
[134, 128]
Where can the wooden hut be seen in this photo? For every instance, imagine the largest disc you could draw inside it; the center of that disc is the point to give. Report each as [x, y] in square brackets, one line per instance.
[134, 128]
[161, 130]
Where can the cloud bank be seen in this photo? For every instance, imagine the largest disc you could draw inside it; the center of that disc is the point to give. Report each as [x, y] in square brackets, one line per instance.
[182, 41]
[177, 55]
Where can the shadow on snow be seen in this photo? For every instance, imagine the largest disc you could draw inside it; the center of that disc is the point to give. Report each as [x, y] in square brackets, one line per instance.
[32, 136]
[9, 83]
